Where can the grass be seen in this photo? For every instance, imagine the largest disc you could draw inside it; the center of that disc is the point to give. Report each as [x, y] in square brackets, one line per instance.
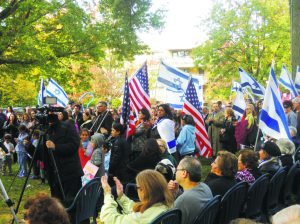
[32, 187]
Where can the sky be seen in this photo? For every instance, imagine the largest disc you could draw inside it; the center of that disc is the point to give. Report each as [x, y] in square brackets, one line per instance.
[182, 28]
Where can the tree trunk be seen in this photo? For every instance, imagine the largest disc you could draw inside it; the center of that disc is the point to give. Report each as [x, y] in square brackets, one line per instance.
[295, 34]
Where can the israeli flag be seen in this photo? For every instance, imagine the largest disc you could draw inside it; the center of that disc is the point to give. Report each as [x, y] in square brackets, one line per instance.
[297, 79]
[55, 90]
[236, 86]
[42, 93]
[247, 81]
[239, 105]
[272, 118]
[175, 98]
[175, 83]
[286, 80]
[165, 128]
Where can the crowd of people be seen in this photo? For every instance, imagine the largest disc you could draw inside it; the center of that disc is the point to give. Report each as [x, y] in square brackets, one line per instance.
[158, 157]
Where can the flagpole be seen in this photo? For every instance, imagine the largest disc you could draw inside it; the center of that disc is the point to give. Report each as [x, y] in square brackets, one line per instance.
[256, 140]
[156, 80]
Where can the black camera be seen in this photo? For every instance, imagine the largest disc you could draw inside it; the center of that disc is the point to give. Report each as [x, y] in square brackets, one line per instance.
[46, 114]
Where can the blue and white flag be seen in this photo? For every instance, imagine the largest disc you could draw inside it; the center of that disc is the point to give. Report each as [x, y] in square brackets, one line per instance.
[239, 104]
[236, 86]
[175, 98]
[286, 80]
[272, 118]
[55, 90]
[175, 83]
[247, 81]
[42, 93]
[297, 79]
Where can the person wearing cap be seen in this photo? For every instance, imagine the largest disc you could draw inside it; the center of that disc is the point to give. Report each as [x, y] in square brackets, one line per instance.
[268, 156]
[290, 115]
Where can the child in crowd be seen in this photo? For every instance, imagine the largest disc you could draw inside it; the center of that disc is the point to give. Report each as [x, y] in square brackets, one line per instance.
[2, 156]
[85, 150]
[20, 149]
[9, 155]
[97, 141]
[40, 163]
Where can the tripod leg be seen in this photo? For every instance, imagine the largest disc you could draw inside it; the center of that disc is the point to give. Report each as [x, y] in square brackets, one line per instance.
[8, 202]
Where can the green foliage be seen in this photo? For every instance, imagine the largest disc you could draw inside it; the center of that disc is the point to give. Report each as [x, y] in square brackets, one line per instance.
[244, 33]
[115, 103]
[62, 40]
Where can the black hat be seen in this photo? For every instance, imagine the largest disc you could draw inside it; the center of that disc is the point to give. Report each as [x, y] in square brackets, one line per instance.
[271, 148]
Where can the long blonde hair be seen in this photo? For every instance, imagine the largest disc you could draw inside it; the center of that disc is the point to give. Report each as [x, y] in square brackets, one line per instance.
[155, 190]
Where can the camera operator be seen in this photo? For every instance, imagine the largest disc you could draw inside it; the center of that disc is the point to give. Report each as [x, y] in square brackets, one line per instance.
[103, 121]
[64, 142]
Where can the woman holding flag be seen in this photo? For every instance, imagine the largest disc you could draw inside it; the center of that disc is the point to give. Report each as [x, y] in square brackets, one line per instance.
[164, 128]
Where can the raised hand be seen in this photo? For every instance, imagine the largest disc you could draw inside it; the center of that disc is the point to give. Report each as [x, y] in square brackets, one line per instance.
[173, 186]
[105, 186]
[119, 187]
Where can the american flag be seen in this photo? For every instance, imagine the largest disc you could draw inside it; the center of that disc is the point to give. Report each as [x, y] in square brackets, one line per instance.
[191, 106]
[127, 118]
[139, 89]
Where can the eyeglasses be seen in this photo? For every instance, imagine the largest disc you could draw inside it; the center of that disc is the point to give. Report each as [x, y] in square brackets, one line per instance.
[138, 187]
[180, 170]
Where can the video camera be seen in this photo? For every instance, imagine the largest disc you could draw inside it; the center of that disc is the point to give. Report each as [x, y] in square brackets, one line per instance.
[45, 114]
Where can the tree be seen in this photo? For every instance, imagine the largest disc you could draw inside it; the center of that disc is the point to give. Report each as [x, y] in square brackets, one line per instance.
[245, 33]
[63, 40]
[295, 34]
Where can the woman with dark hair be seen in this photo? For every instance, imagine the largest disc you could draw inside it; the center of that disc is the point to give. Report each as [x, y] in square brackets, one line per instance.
[142, 125]
[186, 139]
[227, 137]
[9, 111]
[63, 116]
[11, 127]
[164, 128]
[290, 115]
[148, 158]
[119, 157]
[155, 198]
[87, 121]
[247, 166]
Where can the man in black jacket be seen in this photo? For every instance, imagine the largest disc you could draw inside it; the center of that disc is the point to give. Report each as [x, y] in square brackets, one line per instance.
[64, 143]
[103, 121]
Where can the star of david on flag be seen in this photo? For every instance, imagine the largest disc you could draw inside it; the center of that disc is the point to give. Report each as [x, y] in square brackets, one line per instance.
[55, 90]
